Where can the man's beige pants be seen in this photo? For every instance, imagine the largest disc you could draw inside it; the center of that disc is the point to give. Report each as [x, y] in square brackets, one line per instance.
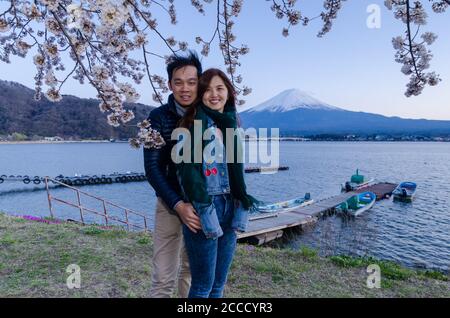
[170, 261]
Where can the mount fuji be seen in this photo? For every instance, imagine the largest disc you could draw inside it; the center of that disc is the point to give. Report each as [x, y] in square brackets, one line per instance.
[291, 99]
[295, 112]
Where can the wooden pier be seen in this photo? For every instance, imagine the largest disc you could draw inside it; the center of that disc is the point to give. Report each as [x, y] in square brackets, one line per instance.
[265, 228]
[383, 190]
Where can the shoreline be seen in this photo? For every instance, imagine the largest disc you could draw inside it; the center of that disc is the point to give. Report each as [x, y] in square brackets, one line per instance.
[44, 142]
[38, 142]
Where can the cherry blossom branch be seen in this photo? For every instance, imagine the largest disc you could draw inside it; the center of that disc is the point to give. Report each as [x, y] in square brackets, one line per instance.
[415, 57]
[157, 95]
[151, 24]
[74, 51]
[410, 41]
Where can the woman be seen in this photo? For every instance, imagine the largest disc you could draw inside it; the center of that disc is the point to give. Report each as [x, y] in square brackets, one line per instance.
[215, 186]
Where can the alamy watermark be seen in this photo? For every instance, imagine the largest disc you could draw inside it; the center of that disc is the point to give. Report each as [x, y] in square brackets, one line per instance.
[262, 148]
[374, 19]
[74, 279]
[374, 278]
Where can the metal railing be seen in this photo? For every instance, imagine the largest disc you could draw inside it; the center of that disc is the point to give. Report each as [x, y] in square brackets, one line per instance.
[104, 214]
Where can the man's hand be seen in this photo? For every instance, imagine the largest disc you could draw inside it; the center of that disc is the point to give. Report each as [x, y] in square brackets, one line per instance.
[188, 216]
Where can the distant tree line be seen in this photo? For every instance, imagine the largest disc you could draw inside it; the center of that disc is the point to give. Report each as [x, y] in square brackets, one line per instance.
[23, 118]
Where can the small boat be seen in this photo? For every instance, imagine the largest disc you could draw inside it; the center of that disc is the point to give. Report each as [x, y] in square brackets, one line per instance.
[405, 191]
[356, 182]
[358, 203]
[285, 206]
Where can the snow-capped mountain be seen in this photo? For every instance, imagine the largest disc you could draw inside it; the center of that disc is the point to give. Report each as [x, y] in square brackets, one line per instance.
[289, 100]
[296, 113]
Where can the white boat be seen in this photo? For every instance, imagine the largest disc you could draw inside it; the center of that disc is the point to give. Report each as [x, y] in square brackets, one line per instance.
[352, 186]
[265, 211]
[285, 206]
[356, 182]
[358, 204]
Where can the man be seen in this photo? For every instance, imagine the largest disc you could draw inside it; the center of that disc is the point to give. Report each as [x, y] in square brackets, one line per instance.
[170, 262]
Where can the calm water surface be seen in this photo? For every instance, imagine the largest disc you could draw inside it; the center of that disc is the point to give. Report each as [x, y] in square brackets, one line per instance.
[415, 234]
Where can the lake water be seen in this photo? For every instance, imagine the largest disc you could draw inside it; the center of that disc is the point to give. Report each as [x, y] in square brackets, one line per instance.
[415, 234]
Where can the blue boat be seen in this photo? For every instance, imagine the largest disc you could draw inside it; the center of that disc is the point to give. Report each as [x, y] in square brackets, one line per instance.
[358, 203]
[405, 191]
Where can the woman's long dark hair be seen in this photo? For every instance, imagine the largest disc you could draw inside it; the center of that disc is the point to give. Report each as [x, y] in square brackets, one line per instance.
[203, 84]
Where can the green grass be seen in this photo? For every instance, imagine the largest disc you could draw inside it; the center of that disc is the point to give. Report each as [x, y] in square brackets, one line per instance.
[435, 275]
[144, 239]
[7, 240]
[308, 252]
[389, 269]
[114, 263]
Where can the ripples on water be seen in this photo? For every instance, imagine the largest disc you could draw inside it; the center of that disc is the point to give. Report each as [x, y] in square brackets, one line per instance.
[415, 234]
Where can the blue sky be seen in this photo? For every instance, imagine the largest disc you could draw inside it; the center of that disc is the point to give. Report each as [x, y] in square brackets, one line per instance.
[352, 67]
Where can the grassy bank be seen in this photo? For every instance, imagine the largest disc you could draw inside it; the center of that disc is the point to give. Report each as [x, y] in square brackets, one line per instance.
[34, 257]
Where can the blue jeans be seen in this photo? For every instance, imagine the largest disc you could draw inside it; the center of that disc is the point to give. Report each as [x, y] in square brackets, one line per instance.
[210, 259]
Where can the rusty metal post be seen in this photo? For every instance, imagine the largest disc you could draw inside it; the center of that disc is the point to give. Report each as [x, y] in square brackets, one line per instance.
[105, 212]
[49, 197]
[79, 205]
[145, 223]
[126, 217]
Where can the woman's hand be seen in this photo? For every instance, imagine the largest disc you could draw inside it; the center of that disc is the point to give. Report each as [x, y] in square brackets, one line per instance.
[188, 216]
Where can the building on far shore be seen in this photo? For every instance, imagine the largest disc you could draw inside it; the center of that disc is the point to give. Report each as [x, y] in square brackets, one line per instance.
[56, 138]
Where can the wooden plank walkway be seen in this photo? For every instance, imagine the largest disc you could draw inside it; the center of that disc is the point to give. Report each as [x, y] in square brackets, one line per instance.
[262, 230]
[382, 190]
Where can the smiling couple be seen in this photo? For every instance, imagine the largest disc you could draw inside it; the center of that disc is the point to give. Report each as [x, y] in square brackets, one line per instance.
[202, 204]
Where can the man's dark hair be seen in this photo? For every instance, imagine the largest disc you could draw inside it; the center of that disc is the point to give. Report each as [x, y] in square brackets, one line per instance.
[177, 61]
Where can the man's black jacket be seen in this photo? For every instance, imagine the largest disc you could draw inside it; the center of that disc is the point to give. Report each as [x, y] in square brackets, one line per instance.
[159, 167]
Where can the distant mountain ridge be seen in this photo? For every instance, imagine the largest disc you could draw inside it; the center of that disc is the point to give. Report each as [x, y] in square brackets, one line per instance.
[296, 113]
[72, 117]
[293, 111]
